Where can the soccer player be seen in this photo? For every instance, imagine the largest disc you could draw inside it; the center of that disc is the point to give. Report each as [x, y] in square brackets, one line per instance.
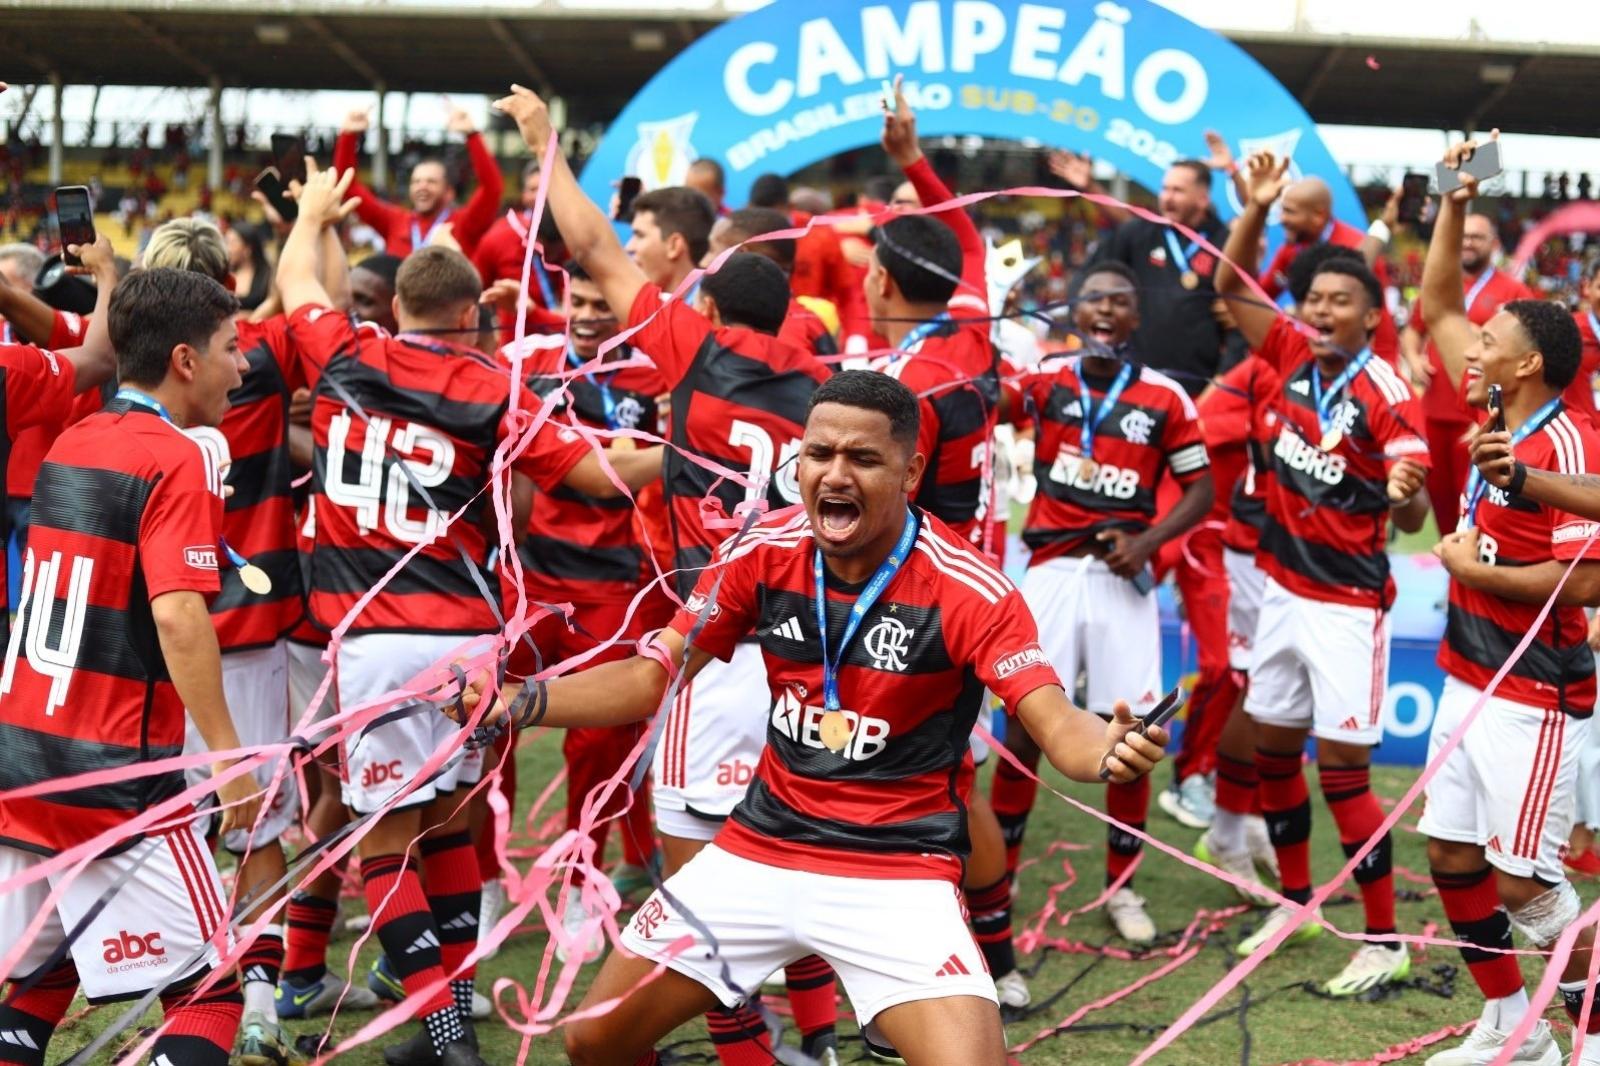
[803, 327]
[850, 841]
[1348, 454]
[405, 428]
[431, 193]
[739, 396]
[1107, 430]
[1449, 420]
[113, 642]
[1500, 808]
[1580, 394]
[671, 232]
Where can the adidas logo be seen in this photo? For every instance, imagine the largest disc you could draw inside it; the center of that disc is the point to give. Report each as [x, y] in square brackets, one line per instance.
[1350, 723]
[258, 973]
[790, 630]
[464, 920]
[162, 1060]
[427, 940]
[952, 967]
[19, 1038]
[1303, 388]
[1072, 410]
[1494, 843]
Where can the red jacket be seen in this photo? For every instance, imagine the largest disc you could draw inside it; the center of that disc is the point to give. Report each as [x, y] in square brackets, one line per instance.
[397, 224]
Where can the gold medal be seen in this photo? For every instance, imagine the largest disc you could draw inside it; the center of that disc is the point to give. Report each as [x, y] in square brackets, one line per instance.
[255, 579]
[1331, 439]
[1087, 468]
[1189, 279]
[835, 731]
[624, 444]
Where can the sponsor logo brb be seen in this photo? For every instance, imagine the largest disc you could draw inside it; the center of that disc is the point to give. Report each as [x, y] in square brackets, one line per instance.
[131, 951]
[801, 723]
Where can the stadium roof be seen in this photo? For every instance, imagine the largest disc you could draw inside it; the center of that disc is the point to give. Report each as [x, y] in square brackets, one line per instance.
[597, 53]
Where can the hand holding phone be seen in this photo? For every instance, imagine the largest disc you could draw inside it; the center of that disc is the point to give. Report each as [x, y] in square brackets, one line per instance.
[75, 220]
[1159, 715]
[289, 156]
[1497, 409]
[270, 184]
[1413, 196]
[627, 191]
[1482, 163]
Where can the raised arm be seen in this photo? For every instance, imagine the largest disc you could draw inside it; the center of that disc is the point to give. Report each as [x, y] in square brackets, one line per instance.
[635, 468]
[1077, 171]
[584, 227]
[373, 210]
[322, 204]
[94, 362]
[474, 220]
[1442, 295]
[1079, 744]
[1265, 177]
[900, 142]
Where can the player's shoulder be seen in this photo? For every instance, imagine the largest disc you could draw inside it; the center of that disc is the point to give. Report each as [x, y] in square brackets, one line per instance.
[1167, 390]
[782, 531]
[1382, 376]
[961, 574]
[1567, 444]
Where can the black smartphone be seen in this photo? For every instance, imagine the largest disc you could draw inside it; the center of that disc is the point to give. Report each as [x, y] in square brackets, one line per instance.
[1165, 711]
[1413, 195]
[1483, 164]
[627, 192]
[74, 220]
[1497, 410]
[270, 183]
[289, 156]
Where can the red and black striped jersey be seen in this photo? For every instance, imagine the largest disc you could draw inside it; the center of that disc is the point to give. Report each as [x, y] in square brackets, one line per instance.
[252, 446]
[1579, 396]
[581, 549]
[1152, 428]
[1240, 409]
[1327, 524]
[805, 330]
[739, 400]
[891, 803]
[36, 391]
[441, 411]
[67, 330]
[1558, 670]
[126, 509]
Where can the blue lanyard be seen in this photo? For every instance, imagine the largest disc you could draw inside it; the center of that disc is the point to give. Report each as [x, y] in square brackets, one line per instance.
[1594, 324]
[869, 596]
[922, 331]
[1108, 403]
[417, 240]
[1477, 287]
[1180, 256]
[1475, 483]
[545, 288]
[608, 402]
[1324, 401]
[1327, 232]
[157, 408]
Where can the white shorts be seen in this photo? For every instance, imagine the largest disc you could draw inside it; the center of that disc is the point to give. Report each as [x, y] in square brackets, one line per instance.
[256, 685]
[384, 758]
[1093, 620]
[710, 744]
[167, 922]
[306, 671]
[1589, 781]
[1512, 784]
[1319, 665]
[1245, 583]
[890, 941]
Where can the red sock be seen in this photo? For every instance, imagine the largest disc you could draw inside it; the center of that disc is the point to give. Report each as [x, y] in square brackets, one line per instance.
[308, 925]
[35, 1012]
[1348, 791]
[455, 895]
[1128, 804]
[649, 1058]
[404, 922]
[739, 1037]
[1237, 786]
[1215, 692]
[1286, 803]
[989, 910]
[1012, 797]
[200, 1028]
[1473, 906]
[811, 996]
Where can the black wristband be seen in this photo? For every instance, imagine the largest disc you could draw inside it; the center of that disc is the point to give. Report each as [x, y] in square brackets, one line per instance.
[1519, 478]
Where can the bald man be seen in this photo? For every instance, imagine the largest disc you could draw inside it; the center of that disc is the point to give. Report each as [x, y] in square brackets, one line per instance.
[1306, 211]
[1448, 417]
[706, 177]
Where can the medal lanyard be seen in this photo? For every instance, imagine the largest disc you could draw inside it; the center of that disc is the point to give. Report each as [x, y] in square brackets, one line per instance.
[608, 402]
[1180, 256]
[1095, 414]
[869, 595]
[1477, 287]
[1594, 324]
[523, 228]
[1475, 483]
[157, 408]
[1324, 401]
[1327, 232]
[417, 239]
[921, 332]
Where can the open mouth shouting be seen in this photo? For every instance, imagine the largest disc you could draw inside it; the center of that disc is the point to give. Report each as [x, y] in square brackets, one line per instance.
[837, 519]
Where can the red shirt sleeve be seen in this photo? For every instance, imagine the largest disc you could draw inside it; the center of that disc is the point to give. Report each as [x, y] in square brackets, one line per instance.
[67, 331]
[1225, 410]
[732, 581]
[181, 531]
[475, 219]
[39, 387]
[273, 334]
[553, 451]
[1399, 429]
[671, 334]
[1000, 641]
[974, 290]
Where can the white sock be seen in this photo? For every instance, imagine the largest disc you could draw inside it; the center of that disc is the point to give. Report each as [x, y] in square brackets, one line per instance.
[261, 996]
[1504, 1013]
[1227, 831]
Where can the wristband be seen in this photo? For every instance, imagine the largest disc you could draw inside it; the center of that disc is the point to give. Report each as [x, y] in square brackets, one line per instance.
[1380, 230]
[651, 648]
[1519, 478]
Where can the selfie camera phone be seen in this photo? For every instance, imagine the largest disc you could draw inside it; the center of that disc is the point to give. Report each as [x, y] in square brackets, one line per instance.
[289, 156]
[627, 192]
[1159, 715]
[74, 220]
[270, 183]
[1483, 164]
[1497, 409]
[1413, 195]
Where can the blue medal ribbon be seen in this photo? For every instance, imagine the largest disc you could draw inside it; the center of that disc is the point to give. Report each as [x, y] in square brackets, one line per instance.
[1594, 324]
[1093, 416]
[921, 332]
[1324, 401]
[608, 402]
[1476, 486]
[1180, 256]
[417, 239]
[858, 611]
[157, 408]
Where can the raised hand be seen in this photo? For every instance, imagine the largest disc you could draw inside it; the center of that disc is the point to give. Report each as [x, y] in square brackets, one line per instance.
[1130, 754]
[900, 128]
[1490, 451]
[1074, 169]
[1221, 156]
[530, 113]
[1265, 178]
[1455, 157]
[357, 120]
[460, 121]
[322, 196]
[99, 259]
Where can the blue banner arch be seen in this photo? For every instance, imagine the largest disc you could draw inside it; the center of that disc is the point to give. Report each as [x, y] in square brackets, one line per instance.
[799, 81]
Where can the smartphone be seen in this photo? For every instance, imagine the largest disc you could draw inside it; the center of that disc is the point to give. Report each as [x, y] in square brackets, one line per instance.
[289, 156]
[1497, 410]
[270, 182]
[1413, 195]
[1165, 711]
[627, 192]
[1483, 165]
[74, 219]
